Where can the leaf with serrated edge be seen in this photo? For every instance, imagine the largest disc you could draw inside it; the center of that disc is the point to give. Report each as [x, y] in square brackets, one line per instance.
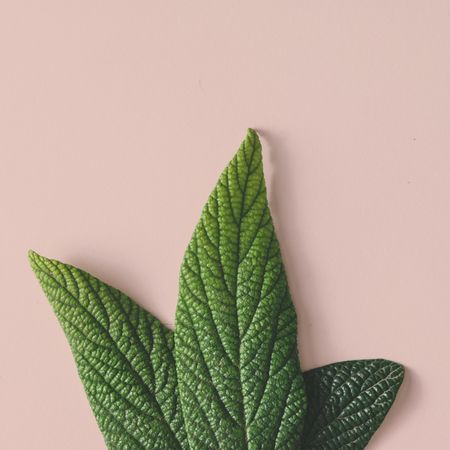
[124, 357]
[236, 328]
[347, 401]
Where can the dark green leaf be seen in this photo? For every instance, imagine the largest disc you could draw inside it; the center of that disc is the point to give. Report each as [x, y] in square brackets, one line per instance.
[347, 401]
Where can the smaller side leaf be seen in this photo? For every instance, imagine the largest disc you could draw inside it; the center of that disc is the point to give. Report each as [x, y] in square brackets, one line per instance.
[124, 357]
[348, 401]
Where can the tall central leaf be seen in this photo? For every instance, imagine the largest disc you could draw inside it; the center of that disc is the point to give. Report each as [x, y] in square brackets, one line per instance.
[236, 327]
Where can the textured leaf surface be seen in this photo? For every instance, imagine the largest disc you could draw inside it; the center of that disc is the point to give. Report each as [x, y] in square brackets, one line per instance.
[236, 327]
[124, 358]
[347, 401]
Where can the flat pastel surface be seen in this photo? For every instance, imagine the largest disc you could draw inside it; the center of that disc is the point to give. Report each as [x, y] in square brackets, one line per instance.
[116, 120]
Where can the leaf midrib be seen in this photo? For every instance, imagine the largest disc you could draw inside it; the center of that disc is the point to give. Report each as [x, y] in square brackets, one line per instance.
[238, 255]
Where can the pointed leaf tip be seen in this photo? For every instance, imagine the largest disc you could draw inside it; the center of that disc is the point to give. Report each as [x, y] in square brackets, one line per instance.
[34, 259]
[252, 138]
[31, 254]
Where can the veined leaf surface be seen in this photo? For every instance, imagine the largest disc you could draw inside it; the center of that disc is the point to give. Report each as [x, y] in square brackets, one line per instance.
[229, 379]
[124, 357]
[347, 401]
[236, 328]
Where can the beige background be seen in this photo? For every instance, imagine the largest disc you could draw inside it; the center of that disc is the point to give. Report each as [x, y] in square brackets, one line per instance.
[116, 119]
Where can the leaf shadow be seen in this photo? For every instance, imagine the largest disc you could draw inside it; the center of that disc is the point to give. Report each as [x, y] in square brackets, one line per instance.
[285, 214]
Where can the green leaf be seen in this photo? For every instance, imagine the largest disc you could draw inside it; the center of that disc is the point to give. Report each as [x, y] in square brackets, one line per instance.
[348, 401]
[124, 358]
[229, 378]
[236, 328]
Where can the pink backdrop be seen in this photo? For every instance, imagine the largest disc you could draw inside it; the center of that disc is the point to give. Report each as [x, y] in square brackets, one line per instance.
[116, 119]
